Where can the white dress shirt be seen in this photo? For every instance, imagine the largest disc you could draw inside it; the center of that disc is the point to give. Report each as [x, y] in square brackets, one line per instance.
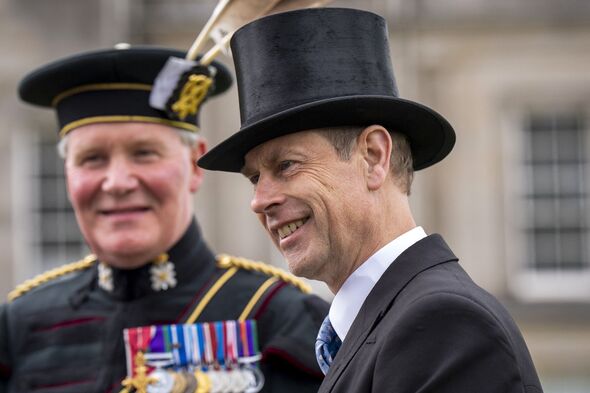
[351, 296]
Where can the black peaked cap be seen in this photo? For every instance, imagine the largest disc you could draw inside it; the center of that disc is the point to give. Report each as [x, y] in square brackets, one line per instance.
[108, 85]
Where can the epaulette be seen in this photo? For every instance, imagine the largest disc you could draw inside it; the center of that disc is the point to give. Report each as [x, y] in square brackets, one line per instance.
[50, 275]
[227, 261]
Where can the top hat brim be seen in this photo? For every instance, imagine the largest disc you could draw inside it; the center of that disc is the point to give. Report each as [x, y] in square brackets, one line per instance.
[430, 136]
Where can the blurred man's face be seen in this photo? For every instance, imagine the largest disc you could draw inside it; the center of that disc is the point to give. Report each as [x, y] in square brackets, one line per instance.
[311, 203]
[130, 185]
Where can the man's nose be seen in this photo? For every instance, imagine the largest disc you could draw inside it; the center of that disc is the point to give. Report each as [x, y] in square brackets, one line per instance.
[120, 177]
[267, 194]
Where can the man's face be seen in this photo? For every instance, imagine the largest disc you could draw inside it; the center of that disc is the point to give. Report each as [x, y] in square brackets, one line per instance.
[311, 203]
[130, 185]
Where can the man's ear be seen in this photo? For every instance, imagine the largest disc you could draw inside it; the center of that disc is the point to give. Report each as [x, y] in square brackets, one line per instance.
[375, 144]
[197, 175]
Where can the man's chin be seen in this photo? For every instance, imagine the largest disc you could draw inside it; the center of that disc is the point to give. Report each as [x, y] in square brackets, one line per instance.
[300, 267]
[126, 253]
[125, 261]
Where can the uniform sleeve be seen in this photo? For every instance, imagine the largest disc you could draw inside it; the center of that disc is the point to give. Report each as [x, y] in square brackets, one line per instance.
[4, 350]
[291, 323]
[447, 344]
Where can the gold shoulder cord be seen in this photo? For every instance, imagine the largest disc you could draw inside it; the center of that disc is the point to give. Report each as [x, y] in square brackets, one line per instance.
[51, 275]
[226, 261]
[233, 264]
[210, 294]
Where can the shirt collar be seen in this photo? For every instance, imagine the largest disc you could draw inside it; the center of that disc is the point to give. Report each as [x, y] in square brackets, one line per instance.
[351, 296]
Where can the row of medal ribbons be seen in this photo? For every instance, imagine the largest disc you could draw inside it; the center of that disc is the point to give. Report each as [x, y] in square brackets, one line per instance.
[211, 357]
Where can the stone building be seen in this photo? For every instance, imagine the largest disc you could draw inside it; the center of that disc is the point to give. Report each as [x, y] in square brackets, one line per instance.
[512, 200]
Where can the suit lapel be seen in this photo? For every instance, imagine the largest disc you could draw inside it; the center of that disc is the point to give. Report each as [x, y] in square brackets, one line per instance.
[424, 254]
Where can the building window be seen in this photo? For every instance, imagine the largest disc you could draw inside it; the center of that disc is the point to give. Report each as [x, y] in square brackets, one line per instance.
[57, 239]
[556, 165]
[554, 208]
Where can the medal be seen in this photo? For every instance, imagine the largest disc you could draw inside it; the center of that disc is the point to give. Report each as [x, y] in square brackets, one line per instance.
[136, 340]
[209, 357]
[203, 382]
[164, 382]
[191, 382]
[180, 383]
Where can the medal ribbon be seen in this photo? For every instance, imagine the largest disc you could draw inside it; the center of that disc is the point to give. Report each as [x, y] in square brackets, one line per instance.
[250, 338]
[196, 346]
[231, 343]
[212, 343]
[202, 347]
[221, 343]
[136, 339]
[245, 352]
[208, 345]
[179, 347]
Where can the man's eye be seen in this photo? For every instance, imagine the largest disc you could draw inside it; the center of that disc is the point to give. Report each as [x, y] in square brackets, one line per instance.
[284, 165]
[254, 179]
[91, 159]
[144, 152]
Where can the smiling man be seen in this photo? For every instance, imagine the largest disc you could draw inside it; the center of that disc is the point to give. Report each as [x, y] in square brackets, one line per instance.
[331, 149]
[131, 174]
[126, 185]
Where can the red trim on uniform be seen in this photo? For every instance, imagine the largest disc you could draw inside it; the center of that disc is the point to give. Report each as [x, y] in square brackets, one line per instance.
[69, 323]
[268, 298]
[116, 386]
[270, 352]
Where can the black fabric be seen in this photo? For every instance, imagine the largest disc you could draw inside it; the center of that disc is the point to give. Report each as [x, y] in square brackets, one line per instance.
[67, 335]
[318, 68]
[426, 327]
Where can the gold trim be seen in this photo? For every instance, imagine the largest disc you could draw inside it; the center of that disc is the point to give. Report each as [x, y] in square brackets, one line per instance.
[210, 294]
[51, 275]
[192, 95]
[119, 119]
[99, 87]
[142, 379]
[160, 259]
[256, 297]
[226, 261]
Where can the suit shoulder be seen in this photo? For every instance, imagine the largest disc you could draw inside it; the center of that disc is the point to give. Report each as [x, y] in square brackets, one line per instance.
[51, 276]
[228, 262]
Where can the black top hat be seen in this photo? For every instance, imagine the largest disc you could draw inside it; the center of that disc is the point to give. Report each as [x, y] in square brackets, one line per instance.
[111, 85]
[317, 68]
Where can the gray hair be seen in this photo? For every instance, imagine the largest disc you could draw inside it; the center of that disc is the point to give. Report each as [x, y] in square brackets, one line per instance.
[188, 138]
[401, 164]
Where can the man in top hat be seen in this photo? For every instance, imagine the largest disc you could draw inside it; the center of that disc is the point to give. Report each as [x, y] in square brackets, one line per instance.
[331, 149]
[131, 172]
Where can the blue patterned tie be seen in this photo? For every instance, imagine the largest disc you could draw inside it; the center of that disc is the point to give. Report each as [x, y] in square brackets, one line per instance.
[326, 345]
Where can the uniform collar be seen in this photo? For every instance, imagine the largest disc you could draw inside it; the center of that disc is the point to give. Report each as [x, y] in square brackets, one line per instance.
[183, 261]
[351, 296]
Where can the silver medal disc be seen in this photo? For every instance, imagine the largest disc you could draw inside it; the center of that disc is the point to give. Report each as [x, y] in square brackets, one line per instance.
[164, 382]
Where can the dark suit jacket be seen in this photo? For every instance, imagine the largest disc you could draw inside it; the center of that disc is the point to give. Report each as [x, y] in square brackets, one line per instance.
[427, 327]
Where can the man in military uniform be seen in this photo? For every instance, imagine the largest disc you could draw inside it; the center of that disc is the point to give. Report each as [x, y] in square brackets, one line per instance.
[131, 172]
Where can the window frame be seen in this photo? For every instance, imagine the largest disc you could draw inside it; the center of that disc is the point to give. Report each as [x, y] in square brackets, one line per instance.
[525, 283]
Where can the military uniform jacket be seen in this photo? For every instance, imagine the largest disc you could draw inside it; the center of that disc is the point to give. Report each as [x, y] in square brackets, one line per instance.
[426, 327]
[66, 335]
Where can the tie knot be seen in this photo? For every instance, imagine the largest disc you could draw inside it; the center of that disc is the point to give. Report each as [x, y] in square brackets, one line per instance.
[327, 345]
